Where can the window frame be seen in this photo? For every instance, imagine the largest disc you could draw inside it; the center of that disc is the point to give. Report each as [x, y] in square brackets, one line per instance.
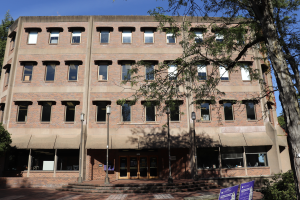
[232, 109]
[201, 67]
[168, 34]
[125, 64]
[46, 70]
[42, 110]
[122, 113]
[155, 110]
[65, 121]
[72, 36]
[98, 76]
[23, 76]
[50, 37]
[145, 36]
[26, 117]
[130, 36]
[222, 75]
[101, 35]
[152, 65]
[254, 108]
[76, 64]
[28, 38]
[209, 110]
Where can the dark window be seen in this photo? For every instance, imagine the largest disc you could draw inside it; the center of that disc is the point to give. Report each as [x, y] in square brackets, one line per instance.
[73, 71]
[70, 112]
[250, 111]
[104, 36]
[22, 112]
[7, 76]
[148, 36]
[2, 111]
[16, 160]
[174, 115]
[101, 112]
[67, 159]
[54, 35]
[232, 157]
[205, 112]
[103, 72]
[256, 156]
[202, 72]
[50, 72]
[126, 72]
[228, 112]
[150, 72]
[46, 111]
[150, 113]
[42, 159]
[27, 74]
[126, 112]
[76, 36]
[13, 42]
[208, 158]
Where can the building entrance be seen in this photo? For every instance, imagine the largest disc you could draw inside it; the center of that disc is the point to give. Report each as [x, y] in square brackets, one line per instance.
[138, 167]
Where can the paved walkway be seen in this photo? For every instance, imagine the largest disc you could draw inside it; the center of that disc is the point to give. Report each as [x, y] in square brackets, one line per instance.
[50, 194]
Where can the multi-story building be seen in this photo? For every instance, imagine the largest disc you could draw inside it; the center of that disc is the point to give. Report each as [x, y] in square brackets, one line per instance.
[57, 67]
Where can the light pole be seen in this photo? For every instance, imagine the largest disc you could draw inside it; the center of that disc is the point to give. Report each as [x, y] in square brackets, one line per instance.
[80, 148]
[195, 147]
[108, 111]
[170, 179]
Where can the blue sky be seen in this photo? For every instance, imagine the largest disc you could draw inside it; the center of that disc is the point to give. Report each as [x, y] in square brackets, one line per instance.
[86, 7]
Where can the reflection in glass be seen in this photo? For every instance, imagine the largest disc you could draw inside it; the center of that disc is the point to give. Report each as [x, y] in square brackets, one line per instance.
[104, 36]
[73, 70]
[143, 167]
[50, 72]
[250, 111]
[27, 73]
[103, 72]
[123, 167]
[126, 112]
[126, 72]
[150, 72]
[205, 112]
[228, 111]
[22, 114]
[133, 166]
[153, 166]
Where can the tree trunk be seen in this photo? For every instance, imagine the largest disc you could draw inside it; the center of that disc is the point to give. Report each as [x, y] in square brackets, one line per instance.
[287, 92]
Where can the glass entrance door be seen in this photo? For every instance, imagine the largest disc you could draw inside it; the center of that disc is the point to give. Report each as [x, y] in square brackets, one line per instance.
[123, 167]
[143, 167]
[153, 167]
[133, 167]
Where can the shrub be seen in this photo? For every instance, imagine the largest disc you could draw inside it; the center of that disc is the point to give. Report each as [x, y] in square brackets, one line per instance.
[281, 187]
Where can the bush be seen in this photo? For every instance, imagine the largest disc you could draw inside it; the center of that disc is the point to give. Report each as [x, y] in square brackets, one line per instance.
[5, 140]
[282, 187]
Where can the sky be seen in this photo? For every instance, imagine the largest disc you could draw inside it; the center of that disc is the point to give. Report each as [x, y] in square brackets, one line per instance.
[19, 8]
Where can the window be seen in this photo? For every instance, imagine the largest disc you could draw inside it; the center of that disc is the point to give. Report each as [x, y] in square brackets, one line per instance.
[46, 111]
[174, 113]
[208, 158]
[27, 73]
[219, 37]
[245, 73]
[172, 72]
[256, 156]
[126, 72]
[199, 37]
[170, 38]
[32, 37]
[150, 112]
[205, 114]
[126, 112]
[70, 112]
[67, 159]
[102, 72]
[16, 160]
[42, 159]
[201, 72]
[22, 112]
[149, 36]
[250, 108]
[223, 73]
[50, 72]
[270, 111]
[150, 72]
[54, 35]
[76, 35]
[232, 157]
[101, 111]
[126, 36]
[228, 111]
[7, 76]
[104, 36]
[73, 72]
[13, 42]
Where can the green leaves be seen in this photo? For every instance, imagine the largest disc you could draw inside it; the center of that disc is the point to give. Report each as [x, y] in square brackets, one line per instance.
[5, 140]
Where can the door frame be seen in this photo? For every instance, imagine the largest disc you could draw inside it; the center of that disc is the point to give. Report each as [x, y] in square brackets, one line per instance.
[128, 173]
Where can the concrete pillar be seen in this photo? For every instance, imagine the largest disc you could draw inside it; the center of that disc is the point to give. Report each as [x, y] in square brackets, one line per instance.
[29, 163]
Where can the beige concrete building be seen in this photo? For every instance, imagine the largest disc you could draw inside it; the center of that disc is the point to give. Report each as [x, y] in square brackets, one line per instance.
[57, 67]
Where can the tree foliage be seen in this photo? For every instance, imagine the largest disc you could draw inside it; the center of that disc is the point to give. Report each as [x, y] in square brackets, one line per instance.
[5, 139]
[5, 24]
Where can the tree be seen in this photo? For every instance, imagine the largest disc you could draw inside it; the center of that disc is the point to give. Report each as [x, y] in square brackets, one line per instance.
[281, 121]
[5, 140]
[270, 25]
[6, 23]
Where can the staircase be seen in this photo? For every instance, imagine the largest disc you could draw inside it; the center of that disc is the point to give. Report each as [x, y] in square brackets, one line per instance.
[139, 188]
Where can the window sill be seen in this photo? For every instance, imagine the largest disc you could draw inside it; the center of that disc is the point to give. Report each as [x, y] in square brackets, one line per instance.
[171, 43]
[20, 122]
[258, 167]
[75, 43]
[205, 121]
[149, 43]
[101, 123]
[69, 122]
[252, 120]
[104, 44]
[246, 80]
[49, 81]
[26, 81]
[225, 80]
[229, 121]
[31, 44]
[127, 43]
[175, 121]
[234, 168]
[53, 43]
[129, 123]
[45, 122]
[102, 80]
[72, 81]
[210, 169]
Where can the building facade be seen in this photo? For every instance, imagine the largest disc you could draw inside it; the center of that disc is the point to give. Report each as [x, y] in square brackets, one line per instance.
[57, 67]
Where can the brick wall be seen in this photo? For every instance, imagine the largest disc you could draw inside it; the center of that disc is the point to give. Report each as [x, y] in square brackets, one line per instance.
[43, 174]
[258, 171]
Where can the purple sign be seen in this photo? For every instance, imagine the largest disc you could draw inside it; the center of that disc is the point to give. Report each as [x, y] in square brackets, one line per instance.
[246, 191]
[228, 193]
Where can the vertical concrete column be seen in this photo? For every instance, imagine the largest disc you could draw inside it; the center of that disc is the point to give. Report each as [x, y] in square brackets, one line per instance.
[245, 161]
[220, 162]
[55, 163]
[29, 163]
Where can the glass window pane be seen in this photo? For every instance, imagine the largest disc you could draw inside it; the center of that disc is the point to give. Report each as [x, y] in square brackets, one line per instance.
[73, 72]
[16, 160]
[202, 72]
[70, 112]
[172, 72]
[126, 35]
[32, 37]
[174, 113]
[46, 111]
[54, 37]
[42, 159]
[123, 167]
[27, 73]
[245, 74]
[228, 111]
[208, 158]
[205, 112]
[104, 36]
[223, 73]
[76, 36]
[126, 112]
[125, 72]
[257, 160]
[102, 72]
[199, 36]
[150, 72]
[250, 111]
[67, 159]
[101, 112]
[50, 72]
[150, 113]
[170, 38]
[232, 157]
[22, 114]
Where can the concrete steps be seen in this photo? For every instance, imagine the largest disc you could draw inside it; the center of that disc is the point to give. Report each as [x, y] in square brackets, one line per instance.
[138, 188]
